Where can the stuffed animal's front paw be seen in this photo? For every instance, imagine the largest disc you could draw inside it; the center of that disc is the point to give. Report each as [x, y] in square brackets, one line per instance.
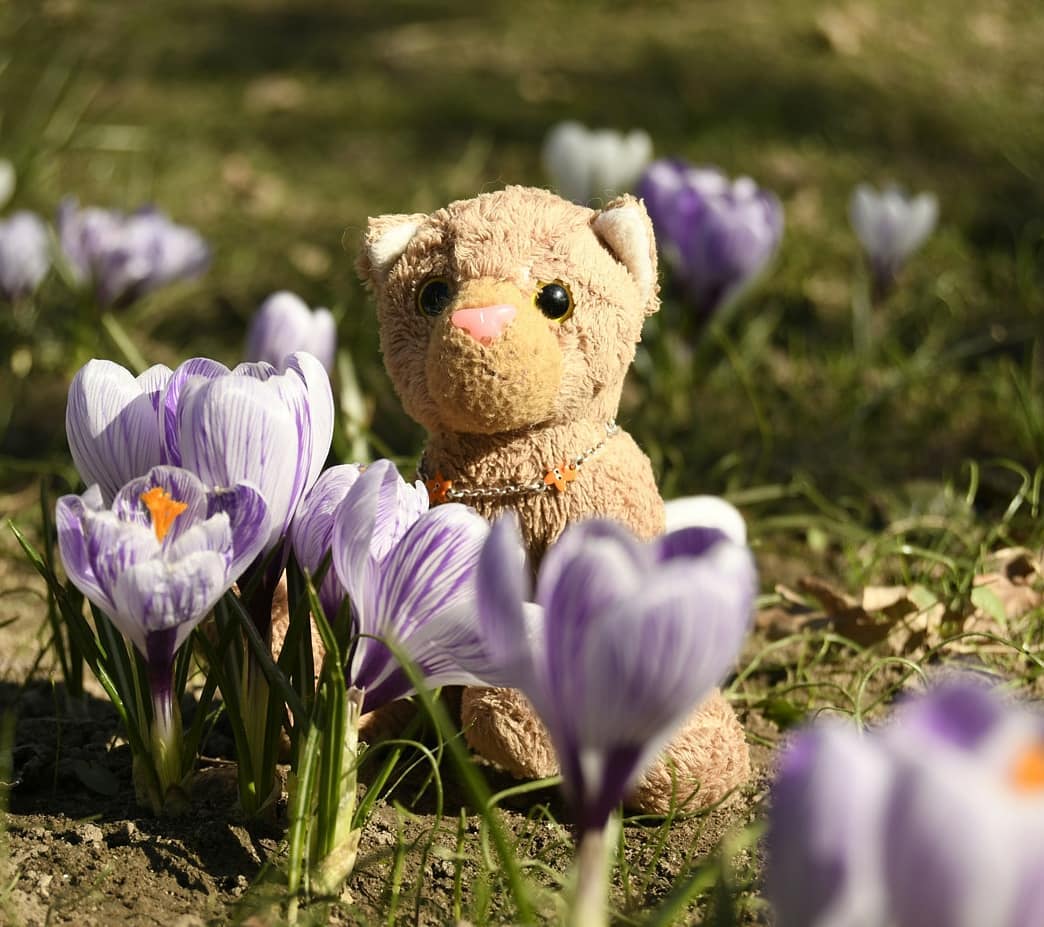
[706, 760]
[501, 726]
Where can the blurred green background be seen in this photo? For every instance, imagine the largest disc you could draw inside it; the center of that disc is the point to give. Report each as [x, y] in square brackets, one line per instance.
[277, 128]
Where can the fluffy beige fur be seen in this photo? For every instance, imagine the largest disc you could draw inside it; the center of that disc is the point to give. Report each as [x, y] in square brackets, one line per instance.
[541, 393]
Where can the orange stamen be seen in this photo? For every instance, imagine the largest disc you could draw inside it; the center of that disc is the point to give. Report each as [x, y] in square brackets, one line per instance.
[163, 508]
[1027, 775]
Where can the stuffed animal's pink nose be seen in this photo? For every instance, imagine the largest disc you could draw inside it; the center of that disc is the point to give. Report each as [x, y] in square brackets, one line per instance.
[484, 323]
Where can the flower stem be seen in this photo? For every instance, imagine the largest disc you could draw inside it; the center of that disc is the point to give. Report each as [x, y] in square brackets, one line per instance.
[165, 743]
[588, 902]
[337, 846]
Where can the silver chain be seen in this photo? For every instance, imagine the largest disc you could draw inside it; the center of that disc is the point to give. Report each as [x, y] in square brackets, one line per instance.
[533, 488]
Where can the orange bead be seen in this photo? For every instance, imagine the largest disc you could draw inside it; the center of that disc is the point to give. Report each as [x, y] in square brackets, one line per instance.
[438, 489]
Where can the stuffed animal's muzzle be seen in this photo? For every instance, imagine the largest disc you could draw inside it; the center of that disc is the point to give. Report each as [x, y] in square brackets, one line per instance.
[493, 361]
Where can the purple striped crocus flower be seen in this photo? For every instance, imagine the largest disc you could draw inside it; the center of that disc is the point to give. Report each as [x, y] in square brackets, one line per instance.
[934, 820]
[311, 532]
[585, 163]
[25, 255]
[716, 234]
[112, 423]
[408, 572]
[251, 424]
[123, 257]
[626, 638]
[284, 324]
[890, 226]
[156, 562]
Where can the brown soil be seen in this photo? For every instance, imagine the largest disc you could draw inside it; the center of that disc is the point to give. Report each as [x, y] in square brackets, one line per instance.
[77, 849]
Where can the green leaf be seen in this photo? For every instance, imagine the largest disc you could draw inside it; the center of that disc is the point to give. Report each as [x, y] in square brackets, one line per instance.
[984, 598]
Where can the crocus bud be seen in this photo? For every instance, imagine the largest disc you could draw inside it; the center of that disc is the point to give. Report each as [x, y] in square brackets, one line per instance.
[716, 234]
[584, 163]
[25, 254]
[890, 226]
[284, 324]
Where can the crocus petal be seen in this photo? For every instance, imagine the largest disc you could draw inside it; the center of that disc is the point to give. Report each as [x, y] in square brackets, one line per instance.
[717, 235]
[111, 424]
[127, 256]
[583, 163]
[311, 532]
[447, 650]
[71, 518]
[235, 429]
[503, 586]
[179, 484]
[824, 865]
[689, 626]
[948, 858]
[155, 595]
[375, 514]
[320, 410]
[25, 252]
[249, 523]
[592, 566]
[284, 324]
[890, 226]
[960, 714]
[431, 570]
[708, 512]
[202, 367]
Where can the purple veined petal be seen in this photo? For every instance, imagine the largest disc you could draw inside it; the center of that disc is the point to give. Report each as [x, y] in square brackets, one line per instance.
[447, 650]
[113, 547]
[375, 514]
[156, 595]
[311, 532]
[181, 485]
[503, 586]
[654, 655]
[153, 383]
[111, 426]
[195, 367]
[236, 429]
[825, 830]
[249, 523]
[258, 370]
[430, 571]
[320, 410]
[71, 519]
[591, 566]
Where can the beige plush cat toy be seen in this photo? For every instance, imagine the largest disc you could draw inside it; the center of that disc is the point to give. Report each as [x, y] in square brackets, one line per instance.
[508, 322]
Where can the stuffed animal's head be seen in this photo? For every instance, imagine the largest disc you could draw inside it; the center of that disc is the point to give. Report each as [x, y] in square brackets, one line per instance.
[511, 310]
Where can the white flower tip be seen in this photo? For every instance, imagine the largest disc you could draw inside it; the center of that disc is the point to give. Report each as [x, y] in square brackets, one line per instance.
[707, 512]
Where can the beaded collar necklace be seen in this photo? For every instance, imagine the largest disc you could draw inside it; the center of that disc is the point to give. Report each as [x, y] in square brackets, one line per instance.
[557, 478]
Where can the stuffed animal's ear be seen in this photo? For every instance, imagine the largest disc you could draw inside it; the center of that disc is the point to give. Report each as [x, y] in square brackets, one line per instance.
[625, 229]
[383, 244]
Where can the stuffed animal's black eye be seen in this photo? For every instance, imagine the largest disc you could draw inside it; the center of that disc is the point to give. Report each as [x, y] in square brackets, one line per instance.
[555, 301]
[434, 296]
